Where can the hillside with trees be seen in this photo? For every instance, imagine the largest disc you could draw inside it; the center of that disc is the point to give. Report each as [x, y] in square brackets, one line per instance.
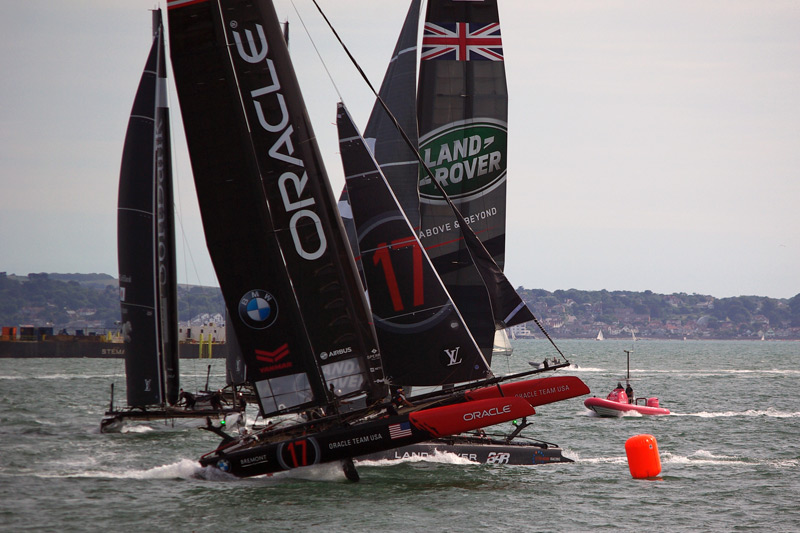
[85, 301]
[574, 313]
[91, 301]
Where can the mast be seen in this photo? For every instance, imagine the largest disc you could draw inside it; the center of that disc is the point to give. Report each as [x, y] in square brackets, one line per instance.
[166, 270]
[146, 240]
[628, 375]
[273, 233]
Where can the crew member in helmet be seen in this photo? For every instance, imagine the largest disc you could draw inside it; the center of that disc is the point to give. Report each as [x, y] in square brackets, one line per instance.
[398, 400]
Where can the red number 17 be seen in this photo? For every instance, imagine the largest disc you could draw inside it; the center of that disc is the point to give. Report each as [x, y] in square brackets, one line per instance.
[383, 258]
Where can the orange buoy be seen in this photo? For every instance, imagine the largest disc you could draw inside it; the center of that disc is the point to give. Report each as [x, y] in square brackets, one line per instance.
[643, 459]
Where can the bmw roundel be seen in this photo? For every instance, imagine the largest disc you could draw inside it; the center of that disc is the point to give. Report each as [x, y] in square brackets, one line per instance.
[258, 309]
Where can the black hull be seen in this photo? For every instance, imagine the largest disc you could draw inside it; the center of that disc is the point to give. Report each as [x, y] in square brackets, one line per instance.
[172, 417]
[479, 450]
[254, 458]
[335, 438]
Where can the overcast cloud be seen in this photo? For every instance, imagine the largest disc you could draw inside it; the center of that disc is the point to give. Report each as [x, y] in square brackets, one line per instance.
[653, 145]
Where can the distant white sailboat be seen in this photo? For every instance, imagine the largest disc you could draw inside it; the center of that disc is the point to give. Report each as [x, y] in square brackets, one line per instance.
[502, 344]
[600, 336]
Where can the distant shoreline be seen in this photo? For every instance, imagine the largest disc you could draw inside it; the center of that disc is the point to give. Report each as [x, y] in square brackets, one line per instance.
[58, 349]
[107, 350]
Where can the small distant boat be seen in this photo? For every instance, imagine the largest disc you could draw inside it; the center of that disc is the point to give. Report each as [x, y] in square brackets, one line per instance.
[620, 401]
[600, 336]
[502, 344]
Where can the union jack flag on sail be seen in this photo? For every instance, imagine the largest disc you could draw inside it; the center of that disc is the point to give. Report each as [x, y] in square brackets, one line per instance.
[462, 41]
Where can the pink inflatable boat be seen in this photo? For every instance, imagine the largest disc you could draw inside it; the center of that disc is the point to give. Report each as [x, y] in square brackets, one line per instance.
[617, 404]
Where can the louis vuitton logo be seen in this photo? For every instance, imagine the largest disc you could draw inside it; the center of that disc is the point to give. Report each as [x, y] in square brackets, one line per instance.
[453, 356]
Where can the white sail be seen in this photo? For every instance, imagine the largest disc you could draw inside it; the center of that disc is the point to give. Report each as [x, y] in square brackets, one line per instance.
[502, 345]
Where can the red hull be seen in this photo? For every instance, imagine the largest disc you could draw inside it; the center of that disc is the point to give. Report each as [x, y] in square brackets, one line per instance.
[535, 391]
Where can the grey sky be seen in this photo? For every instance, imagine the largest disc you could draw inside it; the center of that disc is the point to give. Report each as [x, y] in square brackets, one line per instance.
[653, 145]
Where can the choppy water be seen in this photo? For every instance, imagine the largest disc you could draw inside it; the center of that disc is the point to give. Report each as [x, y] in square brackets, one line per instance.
[730, 456]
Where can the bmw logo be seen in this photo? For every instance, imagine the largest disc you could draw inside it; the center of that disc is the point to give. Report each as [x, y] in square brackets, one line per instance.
[224, 465]
[258, 309]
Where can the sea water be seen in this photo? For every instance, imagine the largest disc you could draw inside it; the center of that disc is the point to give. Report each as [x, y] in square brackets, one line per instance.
[729, 454]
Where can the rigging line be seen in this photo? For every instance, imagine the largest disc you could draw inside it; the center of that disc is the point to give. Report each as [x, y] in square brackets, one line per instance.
[360, 70]
[541, 327]
[422, 162]
[324, 65]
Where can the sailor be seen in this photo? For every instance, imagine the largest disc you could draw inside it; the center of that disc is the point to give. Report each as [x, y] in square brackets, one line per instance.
[335, 400]
[216, 400]
[629, 392]
[619, 386]
[398, 400]
[188, 398]
[314, 414]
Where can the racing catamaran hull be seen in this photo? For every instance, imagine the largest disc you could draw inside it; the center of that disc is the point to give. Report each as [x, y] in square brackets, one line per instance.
[244, 458]
[480, 449]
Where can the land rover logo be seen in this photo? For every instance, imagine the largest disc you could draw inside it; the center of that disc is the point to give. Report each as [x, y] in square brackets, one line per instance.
[258, 309]
[467, 158]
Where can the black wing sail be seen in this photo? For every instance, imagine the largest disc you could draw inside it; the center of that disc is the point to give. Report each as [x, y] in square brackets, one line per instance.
[423, 338]
[145, 235]
[397, 159]
[462, 108]
[275, 238]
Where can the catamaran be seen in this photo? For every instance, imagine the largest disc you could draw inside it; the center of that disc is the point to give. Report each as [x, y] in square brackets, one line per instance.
[286, 271]
[146, 255]
[450, 183]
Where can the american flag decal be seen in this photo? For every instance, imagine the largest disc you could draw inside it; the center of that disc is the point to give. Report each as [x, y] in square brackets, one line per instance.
[398, 431]
[462, 41]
